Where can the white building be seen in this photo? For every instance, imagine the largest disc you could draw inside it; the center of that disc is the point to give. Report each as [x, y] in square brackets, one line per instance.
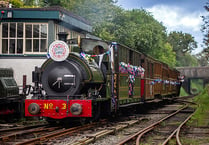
[26, 33]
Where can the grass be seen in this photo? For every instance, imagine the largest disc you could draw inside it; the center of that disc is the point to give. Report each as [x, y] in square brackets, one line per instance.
[201, 117]
[196, 86]
[183, 92]
[194, 141]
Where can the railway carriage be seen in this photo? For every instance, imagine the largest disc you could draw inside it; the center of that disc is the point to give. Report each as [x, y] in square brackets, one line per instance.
[158, 74]
[148, 65]
[128, 79]
[96, 78]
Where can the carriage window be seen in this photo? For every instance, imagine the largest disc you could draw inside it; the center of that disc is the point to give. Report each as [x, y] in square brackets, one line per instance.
[131, 57]
[136, 59]
[122, 52]
[152, 70]
[148, 70]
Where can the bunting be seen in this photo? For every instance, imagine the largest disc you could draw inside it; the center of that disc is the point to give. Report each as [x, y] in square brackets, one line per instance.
[133, 71]
[89, 58]
[181, 78]
[166, 82]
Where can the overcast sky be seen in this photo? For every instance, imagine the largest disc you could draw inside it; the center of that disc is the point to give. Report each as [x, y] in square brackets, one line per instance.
[176, 15]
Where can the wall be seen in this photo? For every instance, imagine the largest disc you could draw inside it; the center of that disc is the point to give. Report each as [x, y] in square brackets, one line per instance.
[22, 67]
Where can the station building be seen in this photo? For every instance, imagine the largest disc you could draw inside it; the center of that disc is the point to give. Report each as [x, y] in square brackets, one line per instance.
[26, 33]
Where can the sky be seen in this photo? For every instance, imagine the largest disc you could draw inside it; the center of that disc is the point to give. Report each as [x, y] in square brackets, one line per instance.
[175, 15]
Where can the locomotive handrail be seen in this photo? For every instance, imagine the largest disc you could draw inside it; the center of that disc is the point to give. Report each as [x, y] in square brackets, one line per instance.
[68, 96]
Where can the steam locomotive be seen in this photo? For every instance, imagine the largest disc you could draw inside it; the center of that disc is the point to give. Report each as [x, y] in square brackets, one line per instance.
[87, 78]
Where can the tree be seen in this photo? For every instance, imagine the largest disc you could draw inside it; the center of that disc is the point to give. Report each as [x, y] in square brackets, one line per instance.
[205, 30]
[139, 30]
[187, 60]
[16, 3]
[135, 28]
[95, 11]
[202, 59]
[182, 42]
[167, 55]
[47, 3]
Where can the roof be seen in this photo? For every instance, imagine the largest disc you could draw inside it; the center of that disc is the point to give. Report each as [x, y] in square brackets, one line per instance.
[49, 13]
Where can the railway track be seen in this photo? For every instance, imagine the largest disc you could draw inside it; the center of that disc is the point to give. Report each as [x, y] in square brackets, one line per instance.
[21, 134]
[38, 134]
[44, 134]
[111, 134]
[96, 133]
[162, 131]
[6, 130]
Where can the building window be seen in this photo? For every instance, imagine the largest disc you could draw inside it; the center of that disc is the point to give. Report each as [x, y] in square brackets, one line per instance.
[12, 38]
[20, 38]
[36, 38]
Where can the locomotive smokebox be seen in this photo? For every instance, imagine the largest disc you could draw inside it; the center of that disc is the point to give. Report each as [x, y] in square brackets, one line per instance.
[62, 78]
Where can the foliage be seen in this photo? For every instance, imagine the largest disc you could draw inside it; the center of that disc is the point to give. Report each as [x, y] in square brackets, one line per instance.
[28, 2]
[186, 60]
[202, 59]
[47, 3]
[205, 30]
[95, 11]
[167, 55]
[139, 30]
[42, 3]
[16, 3]
[136, 28]
[183, 44]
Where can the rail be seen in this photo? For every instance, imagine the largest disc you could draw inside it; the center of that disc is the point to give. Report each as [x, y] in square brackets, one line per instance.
[142, 132]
